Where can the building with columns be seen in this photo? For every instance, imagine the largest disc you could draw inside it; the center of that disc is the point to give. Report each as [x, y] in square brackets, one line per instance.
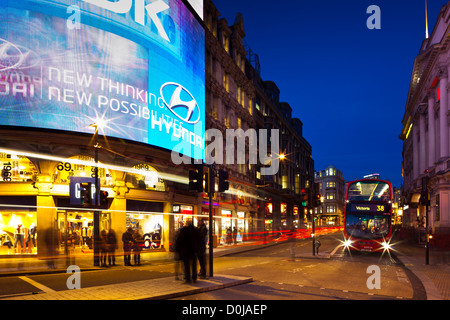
[425, 135]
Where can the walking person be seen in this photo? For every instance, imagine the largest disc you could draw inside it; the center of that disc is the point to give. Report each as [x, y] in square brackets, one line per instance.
[187, 245]
[138, 242]
[103, 247]
[235, 235]
[112, 246]
[203, 240]
[177, 257]
[127, 239]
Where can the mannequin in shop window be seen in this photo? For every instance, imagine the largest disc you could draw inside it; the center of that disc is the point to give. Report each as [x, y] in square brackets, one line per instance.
[6, 241]
[19, 234]
[32, 237]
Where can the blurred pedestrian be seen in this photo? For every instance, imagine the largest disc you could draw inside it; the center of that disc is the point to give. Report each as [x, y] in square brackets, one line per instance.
[103, 247]
[188, 247]
[127, 239]
[228, 236]
[177, 257]
[235, 235]
[138, 243]
[112, 246]
[51, 244]
[203, 240]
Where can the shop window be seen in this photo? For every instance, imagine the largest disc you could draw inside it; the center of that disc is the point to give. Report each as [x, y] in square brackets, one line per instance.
[149, 227]
[16, 168]
[65, 170]
[76, 230]
[145, 177]
[18, 232]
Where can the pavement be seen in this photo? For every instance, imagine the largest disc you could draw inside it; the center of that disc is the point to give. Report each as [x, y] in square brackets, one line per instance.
[435, 277]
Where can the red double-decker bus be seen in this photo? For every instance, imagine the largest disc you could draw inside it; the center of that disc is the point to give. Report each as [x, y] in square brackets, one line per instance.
[368, 215]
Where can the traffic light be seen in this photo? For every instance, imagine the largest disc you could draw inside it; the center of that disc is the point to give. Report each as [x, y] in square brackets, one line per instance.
[196, 179]
[317, 200]
[86, 194]
[424, 192]
[210, 175]
[305, 197]
[224, 185]
[103, 198]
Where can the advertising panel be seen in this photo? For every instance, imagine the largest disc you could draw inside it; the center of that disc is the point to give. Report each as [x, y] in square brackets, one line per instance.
[134, 66]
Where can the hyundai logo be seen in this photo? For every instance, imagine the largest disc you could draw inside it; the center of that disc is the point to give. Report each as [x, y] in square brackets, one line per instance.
[188, 111]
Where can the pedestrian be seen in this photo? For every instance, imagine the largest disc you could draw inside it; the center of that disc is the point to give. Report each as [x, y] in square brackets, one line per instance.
[203, 240]
[138, 243]
[112, 246]
[103, 247]
[127, 239]
[228, 236]
[177, 257]
[51, 246]
[187, 246]
[235, 235]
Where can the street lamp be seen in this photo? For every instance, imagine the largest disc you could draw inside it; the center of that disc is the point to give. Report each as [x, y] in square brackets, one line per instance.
[99, 124]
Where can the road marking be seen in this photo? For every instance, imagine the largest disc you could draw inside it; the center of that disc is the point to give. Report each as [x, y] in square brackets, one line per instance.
[37, 284]
[335, 249]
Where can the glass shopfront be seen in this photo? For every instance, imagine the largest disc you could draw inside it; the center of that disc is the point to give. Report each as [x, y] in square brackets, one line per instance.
[227, 227]
[182, 213]
[76, 230]
[149, 227]
[241, 224]
[18, 232]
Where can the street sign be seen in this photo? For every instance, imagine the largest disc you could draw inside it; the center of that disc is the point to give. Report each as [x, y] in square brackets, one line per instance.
[76, 190]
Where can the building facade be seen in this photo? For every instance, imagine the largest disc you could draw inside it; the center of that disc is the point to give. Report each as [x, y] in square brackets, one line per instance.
[147, 186]
[332, 188]
[62, 84]
[237, 98]
[425, 136]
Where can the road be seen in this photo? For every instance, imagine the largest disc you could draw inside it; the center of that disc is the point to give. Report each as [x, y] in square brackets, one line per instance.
[279, 277]
[286, 271]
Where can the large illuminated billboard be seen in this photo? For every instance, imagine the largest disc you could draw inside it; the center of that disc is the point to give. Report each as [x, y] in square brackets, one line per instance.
[138, 65]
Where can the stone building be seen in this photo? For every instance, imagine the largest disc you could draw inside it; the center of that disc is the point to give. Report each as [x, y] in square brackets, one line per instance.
[425, 135]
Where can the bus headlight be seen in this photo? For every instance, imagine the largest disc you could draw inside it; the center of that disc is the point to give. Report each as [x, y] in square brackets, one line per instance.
[347, 243]
[386, 245]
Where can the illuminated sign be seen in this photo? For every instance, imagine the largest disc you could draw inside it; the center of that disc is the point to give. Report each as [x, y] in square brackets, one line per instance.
[75, 189]
[137, 65]
[368, 208]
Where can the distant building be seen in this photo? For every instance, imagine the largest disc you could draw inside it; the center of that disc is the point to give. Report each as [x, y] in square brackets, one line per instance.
[425, 135]
[332, 188]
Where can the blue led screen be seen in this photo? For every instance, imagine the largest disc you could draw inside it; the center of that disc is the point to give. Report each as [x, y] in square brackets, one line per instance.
[138, 65]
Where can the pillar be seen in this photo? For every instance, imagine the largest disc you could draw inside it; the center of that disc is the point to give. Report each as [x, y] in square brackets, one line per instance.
[118, 209]
[415, 151]
[443, 117]
[431, 132]
[422, 145]
[45, 213]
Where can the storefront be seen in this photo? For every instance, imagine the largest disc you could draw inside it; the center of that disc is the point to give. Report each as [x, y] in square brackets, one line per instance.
[149, 226]
[283, 210]
[183, 213]
[18, 232]
[76, 230]
[268, 221]
[242, 226]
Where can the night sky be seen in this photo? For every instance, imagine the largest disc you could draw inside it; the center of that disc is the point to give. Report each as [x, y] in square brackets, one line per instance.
[346, 83]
